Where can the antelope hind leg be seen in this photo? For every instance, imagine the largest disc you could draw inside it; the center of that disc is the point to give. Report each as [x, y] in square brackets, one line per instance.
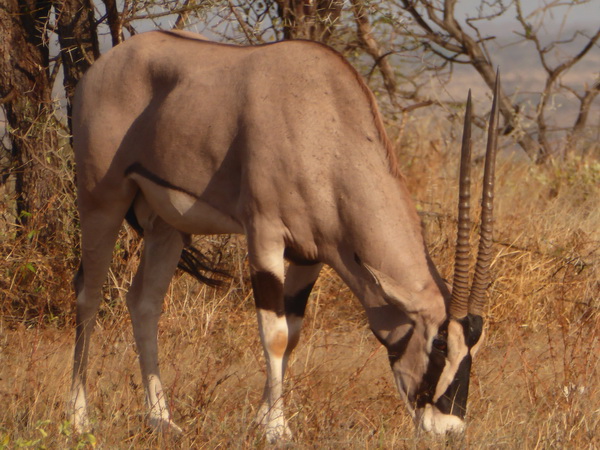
[99, 233]
[162, 250]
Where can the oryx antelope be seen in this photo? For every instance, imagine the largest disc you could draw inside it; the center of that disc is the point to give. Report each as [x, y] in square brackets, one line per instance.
[283, 143]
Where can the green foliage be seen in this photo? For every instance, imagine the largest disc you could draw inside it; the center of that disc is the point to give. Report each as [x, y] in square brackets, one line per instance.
[45, 435]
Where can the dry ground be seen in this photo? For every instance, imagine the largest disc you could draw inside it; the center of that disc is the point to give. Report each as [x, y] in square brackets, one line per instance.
[535, 384]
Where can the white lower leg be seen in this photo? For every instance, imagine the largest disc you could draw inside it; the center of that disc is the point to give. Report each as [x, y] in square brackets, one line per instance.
[79, 417]
[274, 335]
[86, 314]
[145, 330]
[158, 412]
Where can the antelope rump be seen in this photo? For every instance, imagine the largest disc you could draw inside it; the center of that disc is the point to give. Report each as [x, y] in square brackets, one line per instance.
[283, 143]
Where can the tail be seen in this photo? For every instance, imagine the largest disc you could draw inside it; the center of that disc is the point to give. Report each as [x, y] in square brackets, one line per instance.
[192, 261]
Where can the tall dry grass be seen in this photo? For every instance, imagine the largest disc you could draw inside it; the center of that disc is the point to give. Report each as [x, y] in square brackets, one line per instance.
[535, 383]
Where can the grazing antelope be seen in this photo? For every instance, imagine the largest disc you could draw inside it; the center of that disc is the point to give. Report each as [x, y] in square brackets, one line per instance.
[283, 143]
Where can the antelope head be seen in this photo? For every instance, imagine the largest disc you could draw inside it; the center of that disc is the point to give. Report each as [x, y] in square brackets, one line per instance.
[432, 361]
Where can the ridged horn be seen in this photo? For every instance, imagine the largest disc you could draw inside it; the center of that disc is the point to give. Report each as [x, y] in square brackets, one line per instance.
[460, 284]
[482, 277]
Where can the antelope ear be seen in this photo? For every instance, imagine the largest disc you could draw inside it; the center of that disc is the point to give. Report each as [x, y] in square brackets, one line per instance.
[391, 291]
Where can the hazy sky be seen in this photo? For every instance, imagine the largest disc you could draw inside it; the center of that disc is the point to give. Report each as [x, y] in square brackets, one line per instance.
[588, 13]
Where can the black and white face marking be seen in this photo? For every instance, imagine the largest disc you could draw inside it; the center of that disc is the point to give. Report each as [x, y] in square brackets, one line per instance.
[441, 399]
[433, 372]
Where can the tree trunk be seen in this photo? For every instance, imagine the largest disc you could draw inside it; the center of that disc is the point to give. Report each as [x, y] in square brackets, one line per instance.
[76, 28]
[26, 93]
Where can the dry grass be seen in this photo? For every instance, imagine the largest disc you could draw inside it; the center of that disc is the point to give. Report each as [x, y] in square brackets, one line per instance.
[535, 382]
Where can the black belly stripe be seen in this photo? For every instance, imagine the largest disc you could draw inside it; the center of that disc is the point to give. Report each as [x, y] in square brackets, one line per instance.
[142, 171]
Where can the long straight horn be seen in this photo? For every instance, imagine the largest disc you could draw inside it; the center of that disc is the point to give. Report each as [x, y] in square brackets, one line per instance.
[460, 284]
[481, 279]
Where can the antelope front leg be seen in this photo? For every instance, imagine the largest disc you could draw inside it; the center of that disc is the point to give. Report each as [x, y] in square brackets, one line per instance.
[267, 269]
[299, 281]
[274, 336]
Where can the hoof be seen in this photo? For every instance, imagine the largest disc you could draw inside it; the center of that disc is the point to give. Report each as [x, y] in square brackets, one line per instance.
[273, 423]
[278, 434]
[262, 418]
[80, 423]
[163, 425]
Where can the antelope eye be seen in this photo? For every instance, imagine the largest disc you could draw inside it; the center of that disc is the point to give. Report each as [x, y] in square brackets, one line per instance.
[440, 344]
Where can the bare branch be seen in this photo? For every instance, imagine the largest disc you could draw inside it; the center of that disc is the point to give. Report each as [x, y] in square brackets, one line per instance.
[114, 20]
[430, 34]
[372, 47]
[250, 35]
[571, 62]
[585, 103]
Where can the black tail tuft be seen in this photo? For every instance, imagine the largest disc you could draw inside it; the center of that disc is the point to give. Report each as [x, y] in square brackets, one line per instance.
[192, 260]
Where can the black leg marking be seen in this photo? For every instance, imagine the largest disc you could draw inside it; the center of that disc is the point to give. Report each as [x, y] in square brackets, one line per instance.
[268, 292]
[296, 304]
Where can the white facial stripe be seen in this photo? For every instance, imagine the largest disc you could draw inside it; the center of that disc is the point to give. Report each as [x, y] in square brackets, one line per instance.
[457, 350]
